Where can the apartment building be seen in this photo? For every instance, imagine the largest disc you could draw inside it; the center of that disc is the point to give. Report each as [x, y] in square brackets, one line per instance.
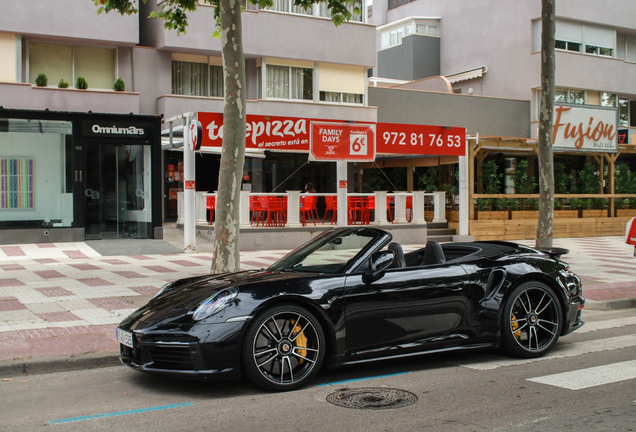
[492, 48]
[97, 163]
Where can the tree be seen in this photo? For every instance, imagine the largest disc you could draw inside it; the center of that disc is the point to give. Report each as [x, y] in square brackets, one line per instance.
[545, 226]
[228, 26]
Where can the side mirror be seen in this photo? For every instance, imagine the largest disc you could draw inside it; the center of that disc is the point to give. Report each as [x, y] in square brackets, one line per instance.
[380, 261]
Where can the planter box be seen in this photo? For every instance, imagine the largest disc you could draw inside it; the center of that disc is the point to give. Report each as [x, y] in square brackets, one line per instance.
[525, 214]
[452, 216]
[593, 213]
[566, 214]
[493, 215]
[625, 212]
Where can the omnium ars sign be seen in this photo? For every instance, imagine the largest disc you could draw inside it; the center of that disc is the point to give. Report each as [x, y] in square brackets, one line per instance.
[584, 128]
[341, 142]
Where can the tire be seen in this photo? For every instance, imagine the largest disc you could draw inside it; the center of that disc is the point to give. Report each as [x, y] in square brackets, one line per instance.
[532, 320]
[283, 349]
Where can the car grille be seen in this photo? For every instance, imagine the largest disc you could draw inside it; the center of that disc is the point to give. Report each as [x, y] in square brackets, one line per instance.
[171, 358]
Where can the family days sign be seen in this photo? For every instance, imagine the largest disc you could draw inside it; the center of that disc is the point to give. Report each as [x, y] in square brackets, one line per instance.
[294, 134]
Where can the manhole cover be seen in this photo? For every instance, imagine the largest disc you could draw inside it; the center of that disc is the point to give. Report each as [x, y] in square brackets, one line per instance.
[372, 398]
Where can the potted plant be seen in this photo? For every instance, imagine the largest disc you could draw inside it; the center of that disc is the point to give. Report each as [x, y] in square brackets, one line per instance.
[589, 183]
[525, 184]
[625, 184]
[62, 83]
[562, 182]
[41, 80]
[119, 85]
[81, 83]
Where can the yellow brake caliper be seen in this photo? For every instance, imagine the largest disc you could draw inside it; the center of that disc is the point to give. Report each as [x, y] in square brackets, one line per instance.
[515, 326]
[301, 341]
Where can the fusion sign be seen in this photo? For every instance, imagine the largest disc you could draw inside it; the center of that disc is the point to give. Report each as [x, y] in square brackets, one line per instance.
[584, 128]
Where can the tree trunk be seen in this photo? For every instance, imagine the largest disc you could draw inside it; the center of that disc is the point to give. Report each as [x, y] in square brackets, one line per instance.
[545, 227]
[226, 227]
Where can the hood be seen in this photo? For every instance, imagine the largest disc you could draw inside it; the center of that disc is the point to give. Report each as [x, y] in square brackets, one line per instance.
[173, 305]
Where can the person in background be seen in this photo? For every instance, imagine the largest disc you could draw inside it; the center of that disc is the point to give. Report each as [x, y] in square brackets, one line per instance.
[309, 188]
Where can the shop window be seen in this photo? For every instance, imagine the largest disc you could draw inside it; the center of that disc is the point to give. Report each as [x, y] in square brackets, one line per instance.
[286, 82]
[33, 174]
[67, 62]
[623, 112]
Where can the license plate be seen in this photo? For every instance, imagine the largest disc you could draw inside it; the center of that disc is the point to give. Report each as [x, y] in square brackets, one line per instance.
[124, 337]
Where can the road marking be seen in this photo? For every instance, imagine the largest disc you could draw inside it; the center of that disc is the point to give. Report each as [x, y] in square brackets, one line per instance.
[361, 379]
[120, 413]
[607, 324]
[559, 351]
[590, 377]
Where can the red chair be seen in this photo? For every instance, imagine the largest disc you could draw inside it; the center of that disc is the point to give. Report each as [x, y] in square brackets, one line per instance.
[256, 209]
[210, 204]
[273, 207]
[356, 208]
[370, 206]
[331, 206]
[308, 204]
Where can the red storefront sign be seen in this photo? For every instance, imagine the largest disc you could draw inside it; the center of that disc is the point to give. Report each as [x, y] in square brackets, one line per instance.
[293, 134]
[342, 142]
[420, 139]
[190, 184]
[630, 232]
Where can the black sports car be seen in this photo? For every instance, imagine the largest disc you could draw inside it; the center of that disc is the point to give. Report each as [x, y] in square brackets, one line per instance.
[350, 296]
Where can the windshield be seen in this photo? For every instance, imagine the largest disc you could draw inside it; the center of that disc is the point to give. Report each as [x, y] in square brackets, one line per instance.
[330, 252]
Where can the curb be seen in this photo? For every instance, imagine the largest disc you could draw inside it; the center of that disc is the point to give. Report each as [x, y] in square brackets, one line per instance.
[44, 365]
[625, 303]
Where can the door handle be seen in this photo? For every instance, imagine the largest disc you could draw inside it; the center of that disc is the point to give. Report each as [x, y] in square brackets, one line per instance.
[457, 286]
[75, 175]
[80, 175]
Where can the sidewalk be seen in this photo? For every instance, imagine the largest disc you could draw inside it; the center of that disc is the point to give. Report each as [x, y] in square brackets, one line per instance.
[60, 303]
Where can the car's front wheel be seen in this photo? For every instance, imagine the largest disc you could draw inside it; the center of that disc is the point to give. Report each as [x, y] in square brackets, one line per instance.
[532, 320]
[284, 348]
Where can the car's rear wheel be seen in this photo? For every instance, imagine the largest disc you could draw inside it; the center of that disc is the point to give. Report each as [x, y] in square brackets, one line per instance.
[284, 348]
[532, 320]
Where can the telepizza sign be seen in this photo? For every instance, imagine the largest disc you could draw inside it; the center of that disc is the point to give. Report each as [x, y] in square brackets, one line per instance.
[342, 142]
[295, 134]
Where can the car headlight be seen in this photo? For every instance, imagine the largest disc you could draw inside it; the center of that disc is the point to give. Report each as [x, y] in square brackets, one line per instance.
[164, 288]
[215, 304]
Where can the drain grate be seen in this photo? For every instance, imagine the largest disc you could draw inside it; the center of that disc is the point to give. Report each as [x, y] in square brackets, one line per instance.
[372, 398]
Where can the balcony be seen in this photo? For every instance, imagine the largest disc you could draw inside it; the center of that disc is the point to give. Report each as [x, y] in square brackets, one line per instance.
[350, 43]
[72, 19]
[26, 96]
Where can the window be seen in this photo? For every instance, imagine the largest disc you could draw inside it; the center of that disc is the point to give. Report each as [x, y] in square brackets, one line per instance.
[189, 78]
[197, 78]
[623, 112]
[426, 30]
[350, 98]
[578, 37]
[569, 96]
[287, 82]
[608, 99]
[67, 62]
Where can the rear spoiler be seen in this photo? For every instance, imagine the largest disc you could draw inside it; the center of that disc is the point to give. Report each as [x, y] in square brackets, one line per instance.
[555, 252]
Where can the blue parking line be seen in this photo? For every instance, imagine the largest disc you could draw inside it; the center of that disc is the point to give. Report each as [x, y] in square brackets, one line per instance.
[362, 379]
[120, 413]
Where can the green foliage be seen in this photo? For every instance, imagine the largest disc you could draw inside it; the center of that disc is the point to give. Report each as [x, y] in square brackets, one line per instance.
[625, 184]
[62, 83]
[500, 204]
[491, 177]
[41, 80]
[483, 204]
[588, 182]
[429, 181]
[524, 183]
[533, 203]
[119, 85]
[81, 83]
[562, 180]
[580, 203]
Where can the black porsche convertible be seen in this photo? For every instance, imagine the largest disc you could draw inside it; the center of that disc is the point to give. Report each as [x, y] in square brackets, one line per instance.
[350, 295]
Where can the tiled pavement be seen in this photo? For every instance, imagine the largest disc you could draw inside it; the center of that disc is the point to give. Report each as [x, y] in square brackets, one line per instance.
[65, 299]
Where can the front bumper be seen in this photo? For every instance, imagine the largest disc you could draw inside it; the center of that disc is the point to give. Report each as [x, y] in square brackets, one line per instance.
[202, 352]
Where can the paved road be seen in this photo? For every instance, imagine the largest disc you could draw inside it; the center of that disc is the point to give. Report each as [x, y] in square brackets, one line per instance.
[586, 384]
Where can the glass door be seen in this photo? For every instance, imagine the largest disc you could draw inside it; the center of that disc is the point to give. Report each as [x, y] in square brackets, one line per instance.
[117, 191]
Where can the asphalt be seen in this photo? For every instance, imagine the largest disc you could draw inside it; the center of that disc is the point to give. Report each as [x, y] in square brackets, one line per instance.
[60, 303]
